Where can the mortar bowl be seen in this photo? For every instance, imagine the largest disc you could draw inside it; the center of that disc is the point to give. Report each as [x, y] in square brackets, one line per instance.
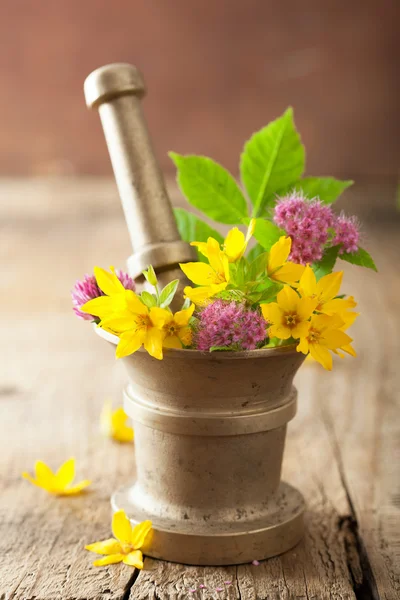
[209, 439]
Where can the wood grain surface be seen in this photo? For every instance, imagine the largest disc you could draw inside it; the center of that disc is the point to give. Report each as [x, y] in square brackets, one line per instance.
[342, 449]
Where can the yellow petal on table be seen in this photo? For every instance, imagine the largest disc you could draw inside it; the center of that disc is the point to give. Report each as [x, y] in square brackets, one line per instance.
[108, 282]
[134, 559]
[44, 475]
[29, 478]
[110, 546]
[121, 527]
[66, 473]
[153, 342]
[109, 560]
[139, 533]
[198, 272]
[120, 431]
[75, 489]
[130, 342]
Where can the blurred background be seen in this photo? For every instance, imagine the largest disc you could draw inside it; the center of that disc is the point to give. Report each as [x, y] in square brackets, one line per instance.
[216, 71]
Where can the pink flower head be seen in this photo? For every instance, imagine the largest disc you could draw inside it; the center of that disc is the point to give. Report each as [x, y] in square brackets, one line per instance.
[307, 222]
[347, 233]
[87, 289]
[229, 324]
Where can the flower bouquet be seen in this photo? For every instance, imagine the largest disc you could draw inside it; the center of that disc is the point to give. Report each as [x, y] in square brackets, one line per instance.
[210, 389]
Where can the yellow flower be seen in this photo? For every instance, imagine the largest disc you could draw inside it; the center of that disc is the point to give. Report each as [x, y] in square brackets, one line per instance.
[211, 278]
[125, 546]
[278, 267]
[138, 326]
[115, 299]
[324, 334]
[57, 483]
[348, 318]
[235, 243]
[325, 291]
[113, 423]
[177, 330]
[289, 316]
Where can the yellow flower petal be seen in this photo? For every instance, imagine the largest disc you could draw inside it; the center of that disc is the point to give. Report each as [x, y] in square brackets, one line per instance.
[182, 317]
[120, 431]
[120, 323]
[272, 313]
[121, 527]
[305, 308]
[234, 244]
[134, 559]
[288, 299]
[75, 489]
[303, 345]
[44, 475]
[110, 546]
[185, 334]
[139, 534]
[108, 282]
[280, 331]
[300, 330]
[29, 477]
[199, 273]
[279, 253]
[349, 349]
[308, 283]
[102, 306]
[130, 342]
[153, 342]
[288, 273]
[338, 305]
[322, 355]
[160, 317]
[109, 560]
[134, 304]
[172, 341]
[198, 295]
[202, 247]
[335, 338]
[328, 286]
[66, 473]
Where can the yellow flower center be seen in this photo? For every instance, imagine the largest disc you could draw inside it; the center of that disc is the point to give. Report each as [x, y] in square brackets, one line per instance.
[171, 329]
[143, 321]
[313, 336]
[291, 319]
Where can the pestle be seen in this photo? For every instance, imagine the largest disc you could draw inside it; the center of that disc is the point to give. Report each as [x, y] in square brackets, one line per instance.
[116, 91]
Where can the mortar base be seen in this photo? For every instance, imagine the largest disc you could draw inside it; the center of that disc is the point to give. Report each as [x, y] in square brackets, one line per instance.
[225, 543]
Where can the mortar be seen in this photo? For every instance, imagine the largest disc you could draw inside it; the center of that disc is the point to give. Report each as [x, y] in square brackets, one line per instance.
[209, 428]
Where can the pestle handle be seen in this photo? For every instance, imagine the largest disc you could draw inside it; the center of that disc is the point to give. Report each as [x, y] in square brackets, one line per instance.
[115, 91]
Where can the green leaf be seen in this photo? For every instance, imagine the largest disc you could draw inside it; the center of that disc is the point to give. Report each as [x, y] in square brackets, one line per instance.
[193, 229]
[258, 266]
[168, 293]
[186, 304]
[210, 188]
[272, 159]
[361, 258]
[254, 252]
[221, 349]
[267, 233]
[327, 262]
[270, 293]
[327, 189]
[148, 299]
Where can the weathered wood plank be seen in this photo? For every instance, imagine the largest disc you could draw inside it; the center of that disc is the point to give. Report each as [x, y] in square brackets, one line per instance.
[54, 376]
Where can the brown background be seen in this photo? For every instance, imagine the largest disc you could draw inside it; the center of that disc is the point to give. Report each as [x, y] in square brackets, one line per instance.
[216, 70]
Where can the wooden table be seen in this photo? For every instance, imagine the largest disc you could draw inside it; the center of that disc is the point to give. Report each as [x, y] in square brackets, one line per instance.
[343, 448]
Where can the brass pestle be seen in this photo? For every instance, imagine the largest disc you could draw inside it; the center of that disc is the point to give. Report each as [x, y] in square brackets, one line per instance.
[116, 91]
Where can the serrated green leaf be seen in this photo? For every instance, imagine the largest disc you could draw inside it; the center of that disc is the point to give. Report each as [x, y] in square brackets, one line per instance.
[148, 299]
[193, 229]
[361, 258]
[210, 188]
[168, 293]
[327, 262]
[327, 189]
[272, 159]
[267, 233]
